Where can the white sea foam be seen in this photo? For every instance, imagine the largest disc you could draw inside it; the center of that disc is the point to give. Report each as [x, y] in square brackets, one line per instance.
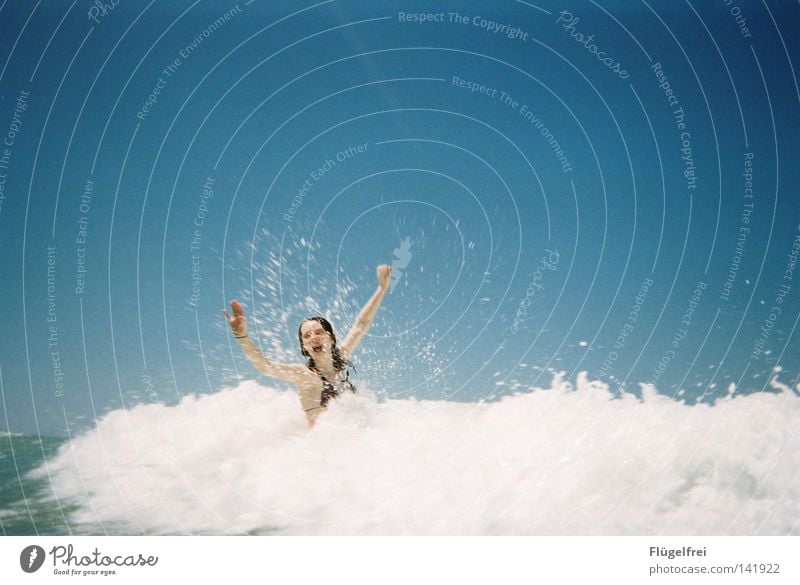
[554, 461]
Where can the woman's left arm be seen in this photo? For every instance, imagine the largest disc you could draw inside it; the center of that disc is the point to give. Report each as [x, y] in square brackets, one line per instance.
[364, 319]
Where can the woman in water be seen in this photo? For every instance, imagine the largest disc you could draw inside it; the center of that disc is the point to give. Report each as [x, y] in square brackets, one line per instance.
[325, 375]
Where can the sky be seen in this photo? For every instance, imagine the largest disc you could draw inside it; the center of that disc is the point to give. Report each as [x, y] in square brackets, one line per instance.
[600, 187]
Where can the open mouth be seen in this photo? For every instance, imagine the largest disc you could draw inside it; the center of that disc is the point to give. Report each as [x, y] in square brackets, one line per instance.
[316, 348]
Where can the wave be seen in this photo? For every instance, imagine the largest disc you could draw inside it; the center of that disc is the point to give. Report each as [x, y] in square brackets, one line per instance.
[561, 460]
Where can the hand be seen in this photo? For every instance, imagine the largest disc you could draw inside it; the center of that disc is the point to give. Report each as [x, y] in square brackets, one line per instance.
[384, 272]
[237, 322]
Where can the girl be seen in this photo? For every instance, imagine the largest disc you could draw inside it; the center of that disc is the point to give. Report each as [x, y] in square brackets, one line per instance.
[325, 375]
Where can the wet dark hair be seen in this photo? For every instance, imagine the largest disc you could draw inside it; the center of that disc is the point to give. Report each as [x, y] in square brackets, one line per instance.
[339, 363]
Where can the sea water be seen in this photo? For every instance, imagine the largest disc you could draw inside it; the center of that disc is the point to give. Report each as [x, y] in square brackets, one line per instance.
[568, 459]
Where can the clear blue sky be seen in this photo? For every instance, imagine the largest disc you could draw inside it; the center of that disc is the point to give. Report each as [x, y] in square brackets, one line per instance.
[565, 181]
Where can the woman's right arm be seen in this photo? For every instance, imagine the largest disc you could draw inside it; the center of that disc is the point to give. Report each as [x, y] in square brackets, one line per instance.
[295, 373]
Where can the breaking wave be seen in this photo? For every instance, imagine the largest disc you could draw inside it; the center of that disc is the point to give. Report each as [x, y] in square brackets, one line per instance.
[562, 460]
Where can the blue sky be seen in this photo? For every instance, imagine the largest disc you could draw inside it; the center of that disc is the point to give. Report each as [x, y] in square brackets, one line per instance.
[292, 147]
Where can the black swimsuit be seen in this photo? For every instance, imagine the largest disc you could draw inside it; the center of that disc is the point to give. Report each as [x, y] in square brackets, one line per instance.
[333, 389]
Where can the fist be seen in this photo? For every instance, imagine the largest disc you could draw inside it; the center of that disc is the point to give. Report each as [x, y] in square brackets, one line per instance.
[384, 272]
[237, 322]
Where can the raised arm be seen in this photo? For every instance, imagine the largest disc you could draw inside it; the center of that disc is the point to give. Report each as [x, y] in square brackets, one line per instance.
[294, 373]
[364, 319]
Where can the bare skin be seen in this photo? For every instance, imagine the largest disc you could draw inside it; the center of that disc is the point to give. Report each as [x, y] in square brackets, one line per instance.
[316, 342]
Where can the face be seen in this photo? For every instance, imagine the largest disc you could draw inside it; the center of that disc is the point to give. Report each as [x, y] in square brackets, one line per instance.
[316, 341]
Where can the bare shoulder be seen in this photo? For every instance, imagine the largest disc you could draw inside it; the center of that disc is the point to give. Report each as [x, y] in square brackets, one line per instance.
[294, 373]
[301, 373]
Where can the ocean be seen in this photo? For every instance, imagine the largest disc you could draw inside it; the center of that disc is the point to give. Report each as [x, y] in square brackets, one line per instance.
[568, 459]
